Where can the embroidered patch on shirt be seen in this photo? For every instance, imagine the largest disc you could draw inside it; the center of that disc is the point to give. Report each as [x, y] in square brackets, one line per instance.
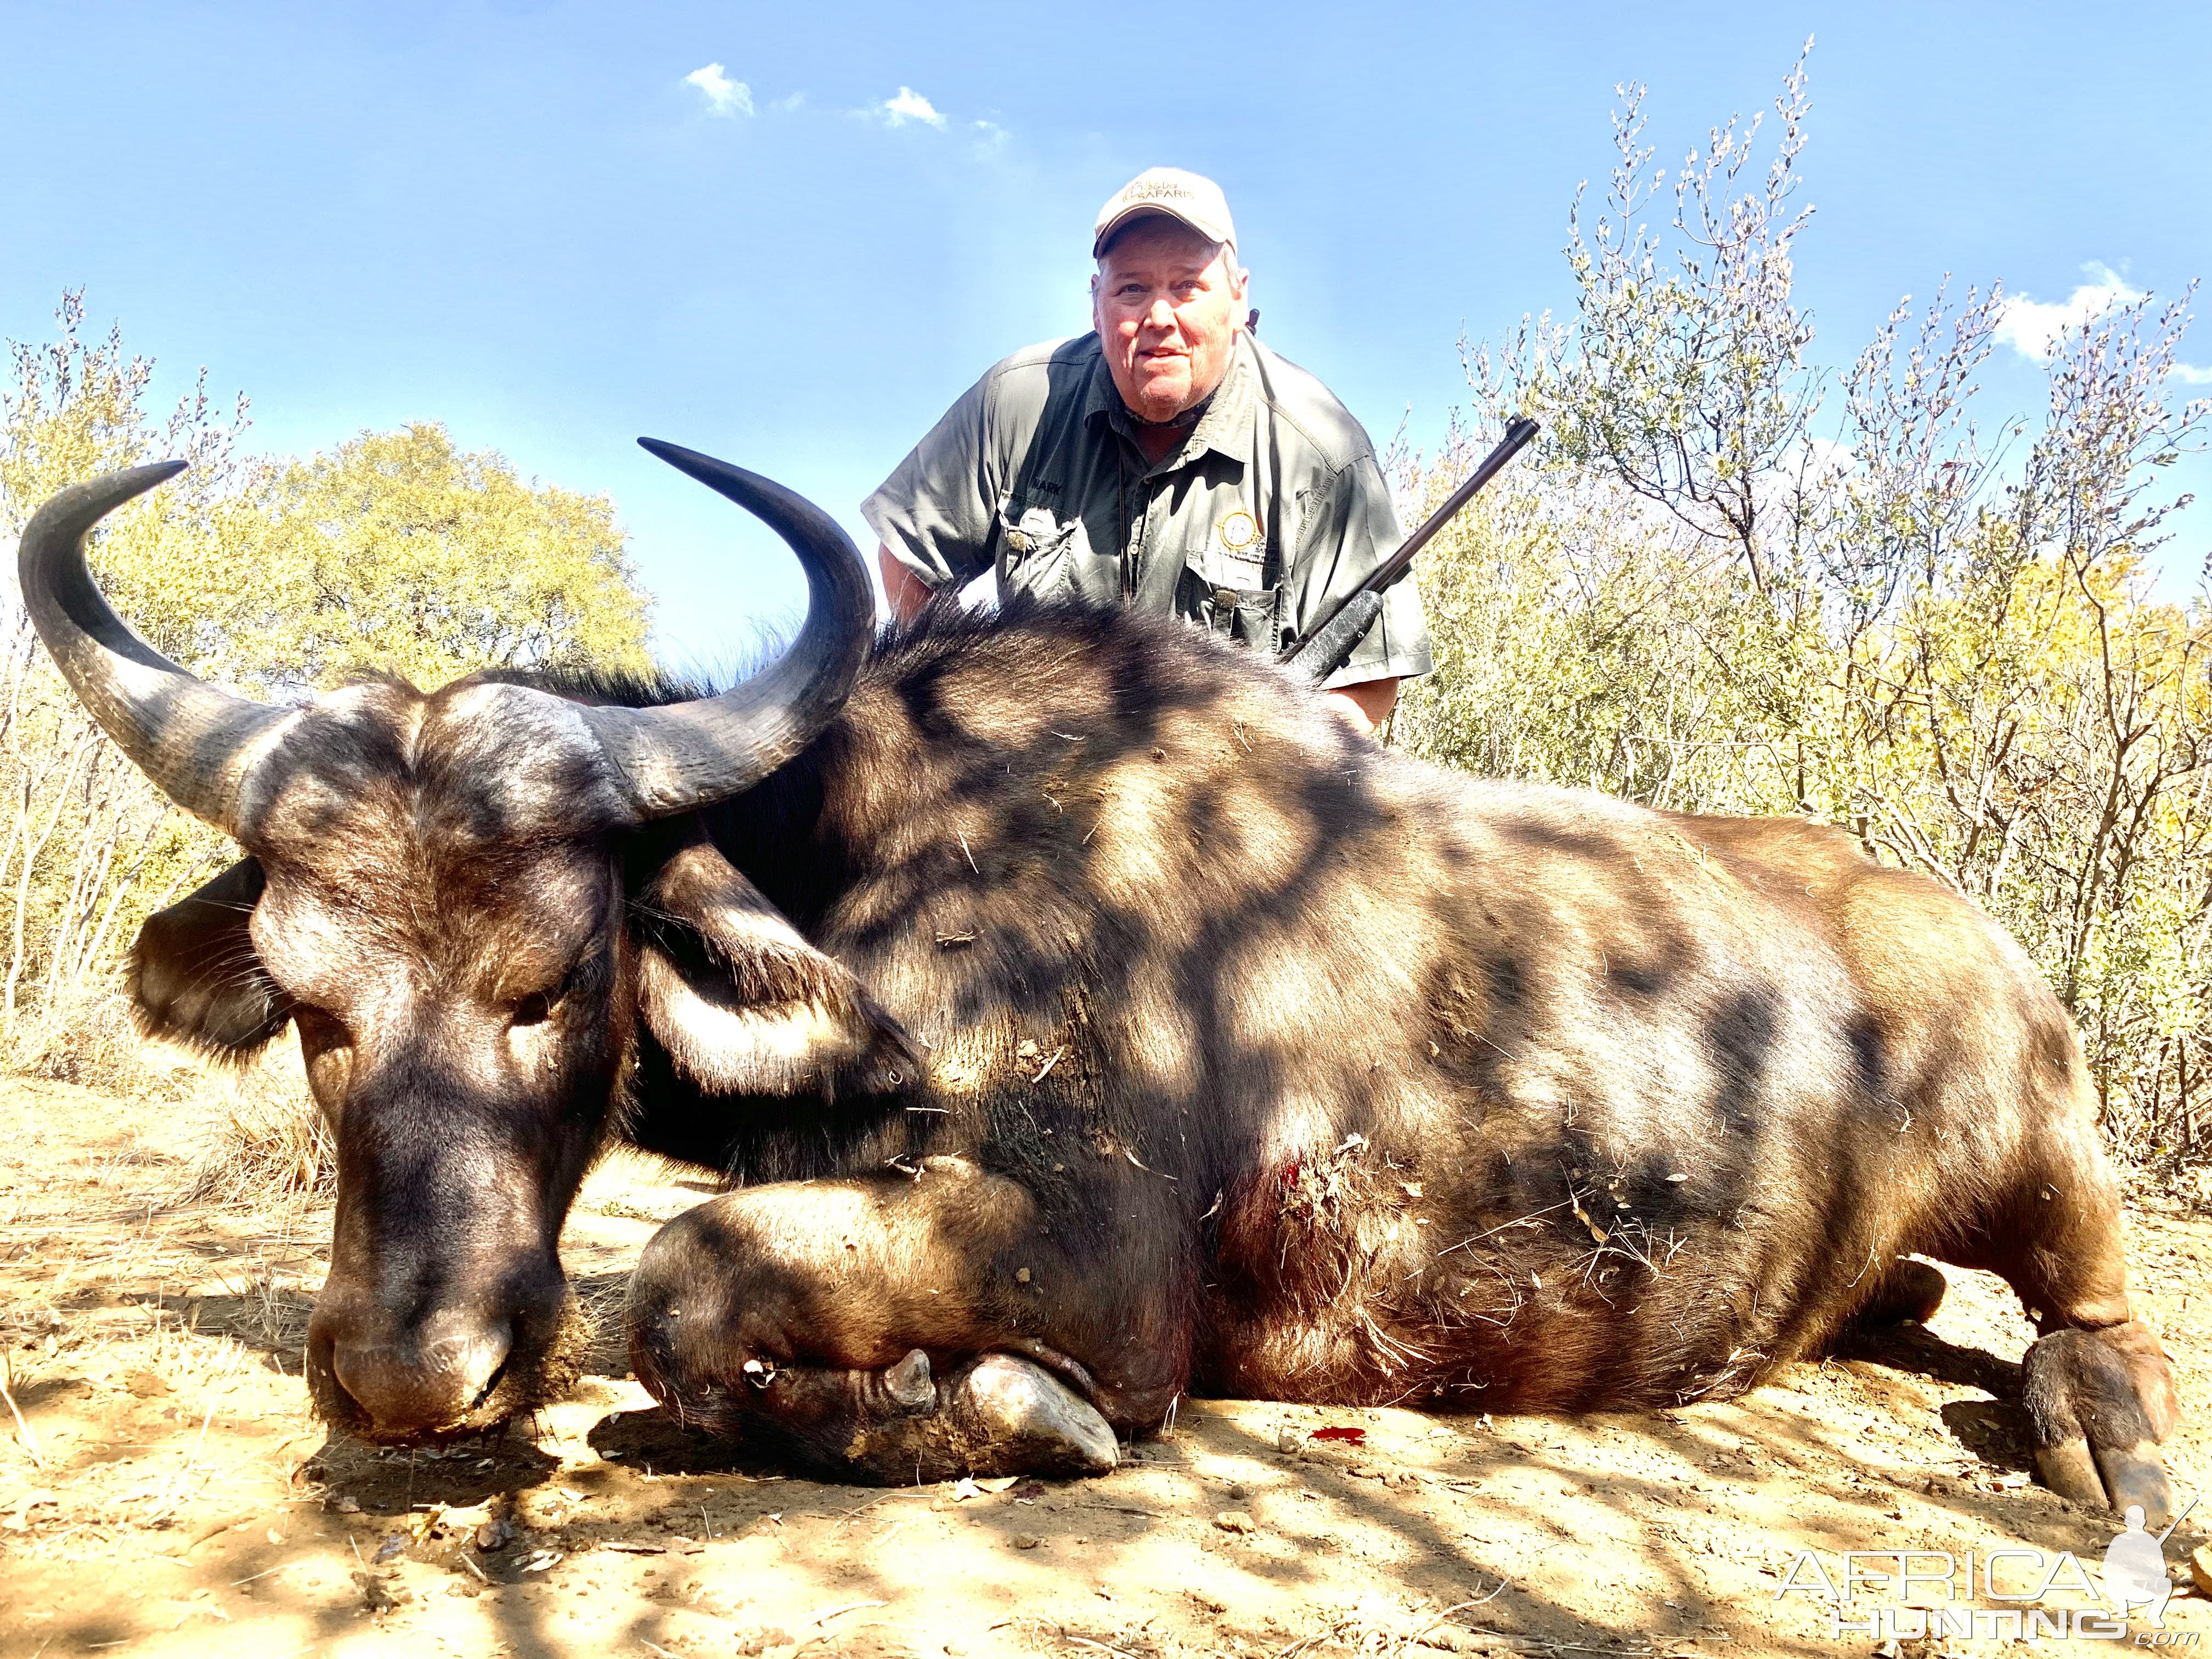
[1239, 532]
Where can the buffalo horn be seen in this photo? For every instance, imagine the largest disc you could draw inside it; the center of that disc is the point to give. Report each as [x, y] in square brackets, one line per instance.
[197, 743]
[687, 755]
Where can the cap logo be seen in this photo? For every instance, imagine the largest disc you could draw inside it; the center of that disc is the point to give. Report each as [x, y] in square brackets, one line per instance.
[1197, 201]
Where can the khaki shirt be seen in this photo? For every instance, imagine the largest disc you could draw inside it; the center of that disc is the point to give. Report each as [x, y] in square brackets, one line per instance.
[1272, 508]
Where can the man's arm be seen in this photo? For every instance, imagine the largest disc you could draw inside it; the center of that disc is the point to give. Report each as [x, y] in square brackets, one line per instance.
[1367, 705]
[1358, 528]
[938, 507]
[904, 592]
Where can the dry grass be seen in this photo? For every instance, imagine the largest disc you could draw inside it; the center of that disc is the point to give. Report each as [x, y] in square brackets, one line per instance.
[88, 1040]
[264, 1147]
[262, 1141]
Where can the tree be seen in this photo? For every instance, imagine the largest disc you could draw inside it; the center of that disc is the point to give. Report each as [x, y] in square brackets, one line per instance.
[1689, 384]
[1718, 585]
[396, 553]
[87, 847]
[393, 553]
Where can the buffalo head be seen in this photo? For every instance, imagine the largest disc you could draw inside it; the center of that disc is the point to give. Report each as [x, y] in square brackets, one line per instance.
[475, 904]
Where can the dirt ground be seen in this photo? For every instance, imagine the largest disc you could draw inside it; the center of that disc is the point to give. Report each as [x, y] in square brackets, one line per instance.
[164, 1491]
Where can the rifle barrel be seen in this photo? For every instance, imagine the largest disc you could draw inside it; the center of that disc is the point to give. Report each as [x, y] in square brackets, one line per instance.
[1518, 432]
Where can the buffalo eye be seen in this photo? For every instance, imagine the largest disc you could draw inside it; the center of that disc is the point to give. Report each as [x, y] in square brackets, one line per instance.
[539, 1006]
[536, 1007]
[533, 1009]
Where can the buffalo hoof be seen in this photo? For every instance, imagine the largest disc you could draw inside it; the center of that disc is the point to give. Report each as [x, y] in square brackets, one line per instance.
[2115, 1478]
[910, 1385]
[1032, 1422]
[2100, 1401]
[998, 1415]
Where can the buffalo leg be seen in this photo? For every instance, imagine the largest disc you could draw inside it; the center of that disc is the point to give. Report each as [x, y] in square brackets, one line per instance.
[2099, 1393]
[1910, 1292]
[998, 1414]
[2100, 1401]
[894, 1329]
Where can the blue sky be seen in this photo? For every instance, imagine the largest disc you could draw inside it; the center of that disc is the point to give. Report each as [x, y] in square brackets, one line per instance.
[524, 220]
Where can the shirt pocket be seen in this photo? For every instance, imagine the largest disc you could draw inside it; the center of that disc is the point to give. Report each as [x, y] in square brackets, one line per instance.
[1225, 588]
[1250, 616]
[1052, 562]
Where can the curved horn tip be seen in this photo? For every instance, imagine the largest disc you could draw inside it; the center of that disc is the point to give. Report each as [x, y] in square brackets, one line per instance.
[111, 489]
[716, 474]
[762, 496]
[675, 454]
[70, 512]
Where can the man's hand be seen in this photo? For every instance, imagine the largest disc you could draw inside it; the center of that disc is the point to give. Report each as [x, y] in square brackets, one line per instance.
[905, 590]
[1365, 705]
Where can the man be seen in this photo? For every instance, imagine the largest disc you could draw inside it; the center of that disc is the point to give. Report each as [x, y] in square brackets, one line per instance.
[1167, 459]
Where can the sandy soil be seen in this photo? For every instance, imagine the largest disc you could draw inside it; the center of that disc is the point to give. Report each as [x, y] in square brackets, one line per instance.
[165, 1492]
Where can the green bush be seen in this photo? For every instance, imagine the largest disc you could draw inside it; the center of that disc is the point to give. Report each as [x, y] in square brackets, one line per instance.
[1726, 581]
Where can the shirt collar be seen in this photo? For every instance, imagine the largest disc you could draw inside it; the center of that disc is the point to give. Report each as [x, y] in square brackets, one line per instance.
[1225, 426]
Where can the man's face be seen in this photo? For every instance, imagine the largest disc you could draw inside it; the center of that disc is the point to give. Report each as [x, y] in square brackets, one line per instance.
[1168, 306]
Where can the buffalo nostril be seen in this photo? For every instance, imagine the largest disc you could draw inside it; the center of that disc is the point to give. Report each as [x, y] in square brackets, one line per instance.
[430, 1383]
[478, 1363]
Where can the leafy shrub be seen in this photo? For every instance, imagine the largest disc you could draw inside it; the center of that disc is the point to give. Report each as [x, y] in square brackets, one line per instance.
[1727, 582]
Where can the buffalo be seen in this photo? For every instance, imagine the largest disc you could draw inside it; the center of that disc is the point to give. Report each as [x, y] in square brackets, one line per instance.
[1082, 1016]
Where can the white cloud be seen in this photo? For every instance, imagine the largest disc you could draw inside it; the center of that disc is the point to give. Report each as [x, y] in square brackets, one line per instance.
[911, 106]
[2032, 327]
[724, 95]
[793, 102]
[1828, 460]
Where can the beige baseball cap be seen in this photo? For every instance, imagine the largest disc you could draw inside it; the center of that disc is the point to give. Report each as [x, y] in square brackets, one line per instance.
[1197, 201]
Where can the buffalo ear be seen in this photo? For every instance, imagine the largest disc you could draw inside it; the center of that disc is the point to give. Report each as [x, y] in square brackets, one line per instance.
[742, 1002]
[195, 978]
